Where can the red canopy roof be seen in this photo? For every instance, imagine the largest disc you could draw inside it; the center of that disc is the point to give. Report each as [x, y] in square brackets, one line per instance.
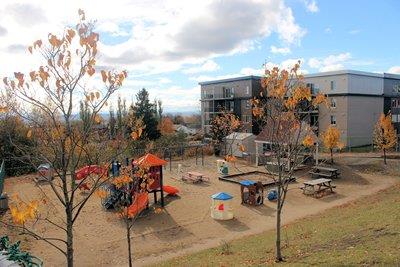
[149, 160]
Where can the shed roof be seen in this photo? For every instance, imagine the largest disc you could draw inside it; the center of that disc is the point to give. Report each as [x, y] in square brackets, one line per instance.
[247, 182]
[149, 160]
[287, 134]
[239, 136]
[221, 196]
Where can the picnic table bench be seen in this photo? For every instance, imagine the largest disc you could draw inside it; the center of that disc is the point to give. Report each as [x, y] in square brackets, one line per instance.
[319, 171]
[195, 177]
[317, 187]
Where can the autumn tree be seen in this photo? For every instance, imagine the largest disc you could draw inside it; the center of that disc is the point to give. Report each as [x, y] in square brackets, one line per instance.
[280, 109]
[331, 140]
[385, 134]
[13, 134]
[221, 126]
[166, 126]
[55, 87]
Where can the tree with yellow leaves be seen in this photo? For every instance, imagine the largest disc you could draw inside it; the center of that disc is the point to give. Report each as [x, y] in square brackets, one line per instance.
[221, 126]
[385, 134]
[166, 126]
[47, 99]
[282, 110]
[331, 140]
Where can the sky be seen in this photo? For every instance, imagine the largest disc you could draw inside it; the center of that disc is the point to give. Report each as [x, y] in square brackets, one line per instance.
[169, 46]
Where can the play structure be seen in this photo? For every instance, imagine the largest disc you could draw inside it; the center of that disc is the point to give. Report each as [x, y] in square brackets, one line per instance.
[222, 167]
[137, 199]
[265, 178]
[45, 173]
[155, 168]
[252, 193]
[84, 172]
[3, 196]
[221, 206]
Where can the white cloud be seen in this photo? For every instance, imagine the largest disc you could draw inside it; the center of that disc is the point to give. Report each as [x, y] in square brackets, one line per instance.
[328, 30]
[166, 34]
[159, 36]
[280, 50]
[394, 69]
[330, 63]
[311, 6]
[207, 66]
[247, 71]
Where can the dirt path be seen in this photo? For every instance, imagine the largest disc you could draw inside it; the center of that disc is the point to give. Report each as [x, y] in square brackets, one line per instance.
[185, 225]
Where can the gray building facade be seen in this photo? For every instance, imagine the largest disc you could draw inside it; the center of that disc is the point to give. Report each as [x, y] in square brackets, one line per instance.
[356, 100]
[232, 95]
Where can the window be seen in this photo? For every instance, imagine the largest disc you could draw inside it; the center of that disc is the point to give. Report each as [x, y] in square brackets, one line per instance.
[333, 120]
[228, 92]
[333, 85]
[246, 118]
[395, 103]
[248, 104]
[333, 103]
[247, 90]
[395, 118]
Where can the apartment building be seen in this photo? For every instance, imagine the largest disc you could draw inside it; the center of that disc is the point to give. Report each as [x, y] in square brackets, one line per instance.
[232, 95]
[356, 100]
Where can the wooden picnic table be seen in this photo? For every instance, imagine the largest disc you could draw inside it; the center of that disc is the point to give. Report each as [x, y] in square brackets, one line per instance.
[195, 177]
[317, 186]
[326, 172]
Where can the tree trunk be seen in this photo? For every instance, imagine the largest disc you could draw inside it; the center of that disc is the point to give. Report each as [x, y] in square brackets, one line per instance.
[384, 156]
[332, 156]
[70, 237]
[128, 236]
[278, 229]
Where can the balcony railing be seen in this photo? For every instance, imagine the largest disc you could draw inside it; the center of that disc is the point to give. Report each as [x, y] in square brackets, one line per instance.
[218, 109]
[218, 96]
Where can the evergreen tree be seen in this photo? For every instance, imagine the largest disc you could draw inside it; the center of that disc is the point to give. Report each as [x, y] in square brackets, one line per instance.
[159, 110]
[143, 108]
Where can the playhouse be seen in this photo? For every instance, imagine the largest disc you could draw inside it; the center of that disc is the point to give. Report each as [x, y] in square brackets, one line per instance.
[252, 192]
[221, 206]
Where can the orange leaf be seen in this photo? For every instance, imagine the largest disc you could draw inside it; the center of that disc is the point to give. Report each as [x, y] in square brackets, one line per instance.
[90, 71]
[104, 76]
[37, 43]
[29, 134]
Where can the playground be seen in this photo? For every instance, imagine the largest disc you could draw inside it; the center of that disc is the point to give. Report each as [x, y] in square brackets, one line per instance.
[185, 223]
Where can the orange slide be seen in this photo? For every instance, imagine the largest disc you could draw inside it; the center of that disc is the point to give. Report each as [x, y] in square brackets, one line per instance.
[138, 205]
[170, 190]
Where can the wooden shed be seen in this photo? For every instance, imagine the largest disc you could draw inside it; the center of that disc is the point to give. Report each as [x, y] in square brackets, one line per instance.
[235, 140]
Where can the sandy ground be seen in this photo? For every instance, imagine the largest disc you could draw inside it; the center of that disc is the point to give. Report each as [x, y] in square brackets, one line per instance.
[185, 224]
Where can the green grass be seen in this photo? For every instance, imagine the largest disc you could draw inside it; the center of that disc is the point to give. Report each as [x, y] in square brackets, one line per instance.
[364, 232]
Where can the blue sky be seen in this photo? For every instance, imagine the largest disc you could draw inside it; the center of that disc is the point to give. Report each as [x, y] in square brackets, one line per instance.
[168, 46]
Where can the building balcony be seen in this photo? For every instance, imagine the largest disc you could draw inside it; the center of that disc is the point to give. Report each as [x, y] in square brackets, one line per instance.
[217, 96]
